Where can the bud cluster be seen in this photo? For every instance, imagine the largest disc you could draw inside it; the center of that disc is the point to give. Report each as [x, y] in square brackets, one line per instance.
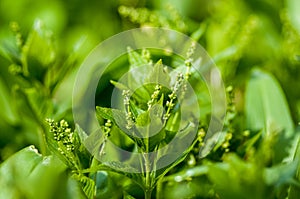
[63, 135]
[129, 115]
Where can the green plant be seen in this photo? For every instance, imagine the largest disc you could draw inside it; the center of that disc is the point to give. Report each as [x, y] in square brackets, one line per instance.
[144, 115]
[144, 108]
[255, 44]
[153, 107]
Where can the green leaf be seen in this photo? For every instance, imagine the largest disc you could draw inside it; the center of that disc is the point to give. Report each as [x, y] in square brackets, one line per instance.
[105, 185]
[232, 183]
[187, 174]
[281, 174]
[150, 125]
[173, 122]
[120, 168]
[119, 119]
[27, 174]
[157, 110]
[220, 140]
[93, 142]
[80, 132]
[10, 51]
[136, 78]
[143, 119]
[80, 148]
[119, 85]
[115, 115]
[295, 190]
[292, 8]
[159, 75]
[149, 122]
[88, 185]
[127, 196]
[260, 182]
[156, 113]
[163, 172]
[34, 102]
[267, 110]
[8, 112]
[21, 158]
[39, 45]
[187, 187]
[266, 106]
[135, 109]
[38, 101]
[136, 59]
[197, 34]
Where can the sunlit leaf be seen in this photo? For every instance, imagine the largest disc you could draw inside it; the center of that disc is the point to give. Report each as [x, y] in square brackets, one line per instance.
[39, 45]
[292, 8]
[27, 174]
[266, 109]
[158, 75]
[136, 59]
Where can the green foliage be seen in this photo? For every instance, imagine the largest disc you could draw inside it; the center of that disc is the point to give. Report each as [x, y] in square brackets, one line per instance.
[259, 182]
[294, 15]
[294, 190]
[37, 177]
[255, 44]
[263, 94]
[140, 125]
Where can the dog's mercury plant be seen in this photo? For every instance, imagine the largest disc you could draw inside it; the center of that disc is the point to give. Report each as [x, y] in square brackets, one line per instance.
[260, 133]
[188, 62]
[201, 136]
[154, 96]
[16, 29]
[106, 129]
[137, 115]
[65, 141]
[146, 55]
[129, 115]
[67, 145]
[173, 96]
[63, 135]
[144, 17]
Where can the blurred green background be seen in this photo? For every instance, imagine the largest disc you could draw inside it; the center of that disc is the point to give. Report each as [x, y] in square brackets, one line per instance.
[238, 35]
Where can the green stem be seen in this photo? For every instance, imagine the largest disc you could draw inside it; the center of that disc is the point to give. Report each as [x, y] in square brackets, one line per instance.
[42, 141]
[148, 193]
[148, 187]
[148, 182]
[158, 188]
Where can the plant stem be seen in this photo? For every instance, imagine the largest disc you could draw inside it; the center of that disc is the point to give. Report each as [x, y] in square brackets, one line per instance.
[42, 141]
[148, 193]
[158, 188]
[148, 187]
[148, 183]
